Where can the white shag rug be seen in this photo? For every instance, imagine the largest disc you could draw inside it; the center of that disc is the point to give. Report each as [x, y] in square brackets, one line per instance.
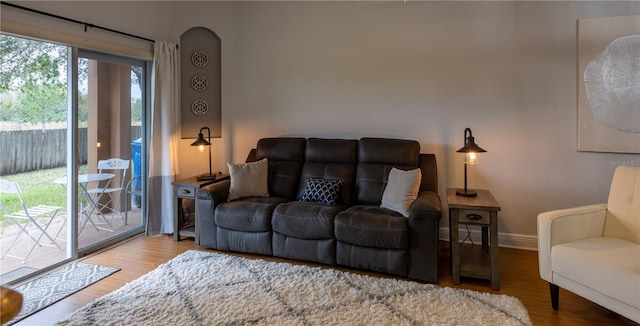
[203, 288]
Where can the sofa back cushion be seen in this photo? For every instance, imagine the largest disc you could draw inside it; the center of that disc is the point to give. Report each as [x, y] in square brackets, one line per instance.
[331, 159]
[376, 158]
[285, 156]
[623, 207]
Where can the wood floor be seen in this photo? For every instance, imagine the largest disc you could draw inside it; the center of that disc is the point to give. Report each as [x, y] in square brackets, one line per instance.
[518, 271]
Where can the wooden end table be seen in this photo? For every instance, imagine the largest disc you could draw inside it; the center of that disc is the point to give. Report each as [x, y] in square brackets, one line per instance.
[185, 222]
[472, 261]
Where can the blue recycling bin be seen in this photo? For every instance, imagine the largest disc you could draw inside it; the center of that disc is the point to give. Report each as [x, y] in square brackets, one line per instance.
[136, 154]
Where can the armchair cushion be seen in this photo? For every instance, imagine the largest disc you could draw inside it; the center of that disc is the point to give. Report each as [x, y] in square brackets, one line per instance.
[605, 264]
[623, 211]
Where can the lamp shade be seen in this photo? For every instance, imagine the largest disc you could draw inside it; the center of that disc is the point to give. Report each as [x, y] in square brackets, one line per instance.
[201, 141]
[470, 145]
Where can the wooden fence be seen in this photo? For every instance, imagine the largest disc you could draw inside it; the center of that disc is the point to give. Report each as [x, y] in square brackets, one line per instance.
[31, 150]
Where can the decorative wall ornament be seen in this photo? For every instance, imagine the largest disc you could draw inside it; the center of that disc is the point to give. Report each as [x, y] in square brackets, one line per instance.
[199, 83]
[609, 84]
[199, 107]
[199, 59]
[612, 83]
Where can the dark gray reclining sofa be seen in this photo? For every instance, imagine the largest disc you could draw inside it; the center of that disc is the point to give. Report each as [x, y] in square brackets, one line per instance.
[355, 233]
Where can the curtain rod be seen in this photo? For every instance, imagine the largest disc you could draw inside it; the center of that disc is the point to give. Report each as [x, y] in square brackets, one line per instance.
[86, 25]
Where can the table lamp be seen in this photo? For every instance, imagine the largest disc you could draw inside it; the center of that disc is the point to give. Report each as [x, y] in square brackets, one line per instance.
[470, 150]
[201, 143]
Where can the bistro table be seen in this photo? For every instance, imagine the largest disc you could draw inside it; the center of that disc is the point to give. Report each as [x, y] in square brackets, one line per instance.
[84, 180]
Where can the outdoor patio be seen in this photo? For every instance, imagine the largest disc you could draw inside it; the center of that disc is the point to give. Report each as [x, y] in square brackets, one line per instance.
[47, 254]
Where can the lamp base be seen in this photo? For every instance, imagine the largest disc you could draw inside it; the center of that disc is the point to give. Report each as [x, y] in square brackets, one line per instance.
[207, 176]
[466, 193]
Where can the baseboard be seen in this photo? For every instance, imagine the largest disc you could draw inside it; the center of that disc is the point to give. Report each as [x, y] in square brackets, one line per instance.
[506, 240]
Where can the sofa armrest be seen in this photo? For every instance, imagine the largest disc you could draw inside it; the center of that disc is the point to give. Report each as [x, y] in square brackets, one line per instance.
[424, 228]
[567, 225]
[427, 202]
[207, 198]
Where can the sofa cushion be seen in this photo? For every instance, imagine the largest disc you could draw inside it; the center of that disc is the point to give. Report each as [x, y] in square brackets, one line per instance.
[607, 265]
[252, 214]
[320, 251]
[372, 226]
[376, 158]
[248, 179]
[305, 220]
[401, 190]
[251, 242]
[331, 159]
[388, 151]
[325, 191]
[286, 156]
[390, 261]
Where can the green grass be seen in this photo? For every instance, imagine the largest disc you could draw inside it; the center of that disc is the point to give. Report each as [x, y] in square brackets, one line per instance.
[37, 188]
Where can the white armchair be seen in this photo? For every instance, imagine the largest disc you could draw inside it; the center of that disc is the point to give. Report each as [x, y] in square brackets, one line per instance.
[594, 251]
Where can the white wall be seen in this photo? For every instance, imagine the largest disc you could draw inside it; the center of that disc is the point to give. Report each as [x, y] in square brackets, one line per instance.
[421, 70]
[425, 71]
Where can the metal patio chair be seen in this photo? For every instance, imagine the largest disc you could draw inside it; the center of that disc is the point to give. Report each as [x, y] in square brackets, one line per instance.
[113, 193]
[134, 193]
[27, 220]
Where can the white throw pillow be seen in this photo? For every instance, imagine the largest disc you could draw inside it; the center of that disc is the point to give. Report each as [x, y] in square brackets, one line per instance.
[248, 179]
[402, 190]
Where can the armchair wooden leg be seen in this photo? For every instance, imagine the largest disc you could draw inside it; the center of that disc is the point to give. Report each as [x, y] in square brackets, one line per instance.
[555, 293]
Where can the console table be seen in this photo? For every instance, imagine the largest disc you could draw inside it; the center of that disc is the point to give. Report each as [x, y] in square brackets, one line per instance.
[472, 261]
[185, 222]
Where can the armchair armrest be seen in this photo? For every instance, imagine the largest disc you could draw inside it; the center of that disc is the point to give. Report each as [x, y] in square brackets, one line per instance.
[207, 198]
[567, 225]
[424, 229]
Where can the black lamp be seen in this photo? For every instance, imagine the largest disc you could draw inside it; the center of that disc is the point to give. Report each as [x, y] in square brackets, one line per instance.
[201, 142]
[470, 150]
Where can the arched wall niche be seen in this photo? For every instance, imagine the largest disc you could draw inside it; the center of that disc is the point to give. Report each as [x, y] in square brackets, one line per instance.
[200, 80]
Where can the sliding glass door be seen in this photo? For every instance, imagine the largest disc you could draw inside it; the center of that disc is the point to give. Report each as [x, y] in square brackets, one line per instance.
[111, 98]
[73, 144]
[33, 115]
